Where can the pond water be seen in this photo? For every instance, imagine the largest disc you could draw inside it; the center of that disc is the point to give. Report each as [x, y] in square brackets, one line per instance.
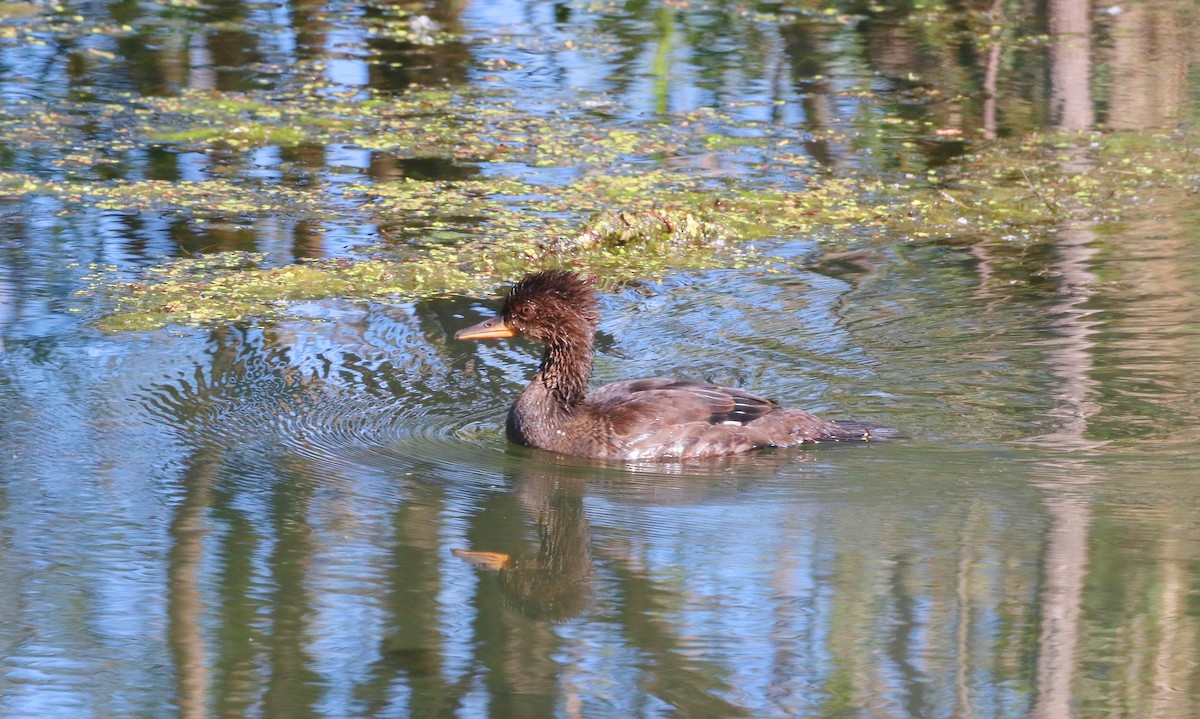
[317, 514]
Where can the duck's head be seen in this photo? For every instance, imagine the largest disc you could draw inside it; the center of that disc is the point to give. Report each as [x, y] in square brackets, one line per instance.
[553, 307]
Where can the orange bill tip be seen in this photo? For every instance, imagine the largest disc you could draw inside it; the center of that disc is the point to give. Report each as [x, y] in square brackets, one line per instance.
[489, 329]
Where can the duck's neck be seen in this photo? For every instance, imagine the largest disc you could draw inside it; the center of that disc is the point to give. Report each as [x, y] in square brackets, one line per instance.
[565, 371]
[558, 388]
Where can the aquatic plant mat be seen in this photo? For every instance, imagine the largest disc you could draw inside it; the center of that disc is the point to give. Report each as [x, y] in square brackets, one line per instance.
[465, 188]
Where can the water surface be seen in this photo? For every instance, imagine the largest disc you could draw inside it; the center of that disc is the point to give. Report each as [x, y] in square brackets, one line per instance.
[319, 516]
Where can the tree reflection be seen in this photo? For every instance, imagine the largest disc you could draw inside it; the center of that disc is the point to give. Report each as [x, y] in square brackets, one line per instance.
[231, 54]
[1148, 54]
[1071, 361]
[185, 596]
[949, 596]
[1071, 64]
[414, 646]
[215, 674]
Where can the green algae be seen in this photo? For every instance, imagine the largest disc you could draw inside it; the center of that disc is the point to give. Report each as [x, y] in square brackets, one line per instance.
[206, 290]
[1024, 187]
[681, 191]
[1000, 196]
[241, 135]
[226, 287]
[196, 199]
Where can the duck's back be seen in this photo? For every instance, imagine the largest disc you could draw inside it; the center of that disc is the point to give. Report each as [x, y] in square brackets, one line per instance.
[662, 418]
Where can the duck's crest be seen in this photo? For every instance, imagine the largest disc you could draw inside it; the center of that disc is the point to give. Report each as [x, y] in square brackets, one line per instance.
[554, 294]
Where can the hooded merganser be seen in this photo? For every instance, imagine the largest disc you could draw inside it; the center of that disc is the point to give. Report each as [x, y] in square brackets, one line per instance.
[633, 420]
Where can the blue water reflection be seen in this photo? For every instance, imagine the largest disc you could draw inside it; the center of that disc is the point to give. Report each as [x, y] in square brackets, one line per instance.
[317, 515]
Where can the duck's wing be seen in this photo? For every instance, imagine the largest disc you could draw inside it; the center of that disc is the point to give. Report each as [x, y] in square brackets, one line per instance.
[664, 418]
[661, 418]
[672, 401]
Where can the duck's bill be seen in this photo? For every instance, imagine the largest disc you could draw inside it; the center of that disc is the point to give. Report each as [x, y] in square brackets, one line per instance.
[489, 329]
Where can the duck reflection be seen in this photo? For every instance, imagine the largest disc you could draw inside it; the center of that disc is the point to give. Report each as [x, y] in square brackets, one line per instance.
[552, 580]
[546, 574]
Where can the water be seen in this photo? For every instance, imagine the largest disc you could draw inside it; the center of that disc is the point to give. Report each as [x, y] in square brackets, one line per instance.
[319, 516]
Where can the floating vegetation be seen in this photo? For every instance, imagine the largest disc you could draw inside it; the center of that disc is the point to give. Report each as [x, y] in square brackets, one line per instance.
[1010, 191]
[641, 224]
[229, 286]
[202, 200]
[518, 183]
[1000, 196]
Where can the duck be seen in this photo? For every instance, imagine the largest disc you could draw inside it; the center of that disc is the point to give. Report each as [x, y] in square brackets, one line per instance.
[636, 420]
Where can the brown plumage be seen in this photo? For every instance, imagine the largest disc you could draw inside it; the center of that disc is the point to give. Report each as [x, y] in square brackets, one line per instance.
[643, 419]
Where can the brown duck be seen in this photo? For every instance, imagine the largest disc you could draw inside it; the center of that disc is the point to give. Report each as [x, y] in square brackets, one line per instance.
[641, 419]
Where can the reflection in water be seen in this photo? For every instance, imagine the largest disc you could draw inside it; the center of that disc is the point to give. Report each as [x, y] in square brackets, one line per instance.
[1062, 594]
[272, 519]
[419, 59]
[1071, 64]
[1070, 354]
[232, 52]
[1151, 45]
[1071, 361]
[414, 650]
[185, 597]
[890, 90]
[552, 582]
[322, 486]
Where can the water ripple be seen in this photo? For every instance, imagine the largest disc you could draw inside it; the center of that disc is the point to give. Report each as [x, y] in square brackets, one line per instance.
[333, 394]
